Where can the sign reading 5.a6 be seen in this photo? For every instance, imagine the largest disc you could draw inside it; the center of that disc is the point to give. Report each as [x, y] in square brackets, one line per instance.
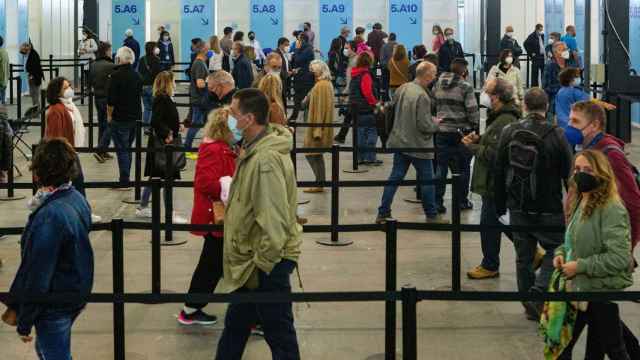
[125, 9]
[333, 8]
[195, 9]
[404, 8]
[259, 9]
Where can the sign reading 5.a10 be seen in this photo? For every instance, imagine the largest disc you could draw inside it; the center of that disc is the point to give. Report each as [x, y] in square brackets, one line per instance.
[195, 9]
[404, 8]
[259, 9]
[326, 8]
[125, 9]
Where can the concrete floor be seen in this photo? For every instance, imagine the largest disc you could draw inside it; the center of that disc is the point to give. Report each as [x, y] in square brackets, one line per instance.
[446, 330]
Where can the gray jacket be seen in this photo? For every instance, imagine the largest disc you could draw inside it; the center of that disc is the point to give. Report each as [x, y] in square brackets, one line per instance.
[413, 126]
[99, 73]
[456, 103]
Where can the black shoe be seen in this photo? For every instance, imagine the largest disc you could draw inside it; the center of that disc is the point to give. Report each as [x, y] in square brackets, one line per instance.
[106, 156]
[339, 140]
[466, 205]
[376, 163]
[197, 318]
[442, 209]
[532, 310]
[99, 158]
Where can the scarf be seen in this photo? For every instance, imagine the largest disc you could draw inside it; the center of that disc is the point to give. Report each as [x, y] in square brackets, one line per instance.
[78, 125]
[42, 195]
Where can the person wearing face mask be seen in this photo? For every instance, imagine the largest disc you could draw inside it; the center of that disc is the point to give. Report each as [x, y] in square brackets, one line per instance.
[509, 42]
[150, 66]
[438, 38]
[449, 51]
[569, 38]
[303, 79]
[99, 74]
[214, 170]
[342, 57]
[535, 47]
[500, 98]
[242, 69]
[588, 120]
[133, 44]
[221, 87]
[33, 67]
[595, 257]
[167, 57]
[283, 52]
[551, 81]
[88, 46]
[215, 55]
[253, 42]
[197, 95]
[554, 37]
[414, 127]
[259, 256]
[506, 70]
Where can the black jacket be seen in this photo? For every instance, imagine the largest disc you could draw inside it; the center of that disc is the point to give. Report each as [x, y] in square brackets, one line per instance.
[284, 71]
[532, 45]
[164, 120]
[149, 68]
[508, 43]
[99, 74]
[447, 53]
[34, 68]
[558, 157]
[6, 144]
[167, 57]
[302, 57]
[242, 72]
[125, 90]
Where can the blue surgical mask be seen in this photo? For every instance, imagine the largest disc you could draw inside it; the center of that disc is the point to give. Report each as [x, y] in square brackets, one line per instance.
[574, 136]
[210, 54]
[577, 82]
[232, 122]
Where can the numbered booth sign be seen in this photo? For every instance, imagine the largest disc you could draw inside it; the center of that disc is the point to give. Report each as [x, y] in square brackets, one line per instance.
[196, 21]
[266, 21]
[334, 15]
[405, 19]
[128, 14]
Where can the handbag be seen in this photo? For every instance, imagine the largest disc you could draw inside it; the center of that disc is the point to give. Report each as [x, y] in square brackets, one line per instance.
[160, 157]
[218, 212]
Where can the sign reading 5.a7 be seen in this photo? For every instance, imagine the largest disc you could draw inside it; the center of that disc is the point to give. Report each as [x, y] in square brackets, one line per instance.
[125, 9]
[195, 9]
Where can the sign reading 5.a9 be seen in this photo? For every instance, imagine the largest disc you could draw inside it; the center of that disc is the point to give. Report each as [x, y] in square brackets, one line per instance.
[333, 8]
[259, 9]
[125, 9]
[404, 8]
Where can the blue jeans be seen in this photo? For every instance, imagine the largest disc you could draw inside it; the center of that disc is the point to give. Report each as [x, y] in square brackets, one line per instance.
[3, 94]
[147, 102]
[424, 168]
[53, 334]
[451, 151]
[197, 120]
[276, 319]
[104, 129]
[123, 137]
[367, 137]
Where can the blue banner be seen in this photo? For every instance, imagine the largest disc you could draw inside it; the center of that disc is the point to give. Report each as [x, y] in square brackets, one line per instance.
[266, 22]
[554, 16]
[128, 14]
[3, 21]
[334, 15]
[405, 19]
[634, 49]
[196, 20]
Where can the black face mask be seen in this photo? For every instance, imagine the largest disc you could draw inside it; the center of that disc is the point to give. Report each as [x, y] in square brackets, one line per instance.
[586, 182]
[252, 37]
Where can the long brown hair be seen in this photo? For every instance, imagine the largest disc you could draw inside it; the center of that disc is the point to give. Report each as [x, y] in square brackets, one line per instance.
[605, 193]
[164, 85]
[400, 53]
[271, 86]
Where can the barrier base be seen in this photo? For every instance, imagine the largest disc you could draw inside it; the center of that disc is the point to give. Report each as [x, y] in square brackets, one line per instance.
[340, 242]
[413, 201]
[356, 171]
[131, 201]
[172, 243]
[303, 201]
[12, 198]
[383, 357]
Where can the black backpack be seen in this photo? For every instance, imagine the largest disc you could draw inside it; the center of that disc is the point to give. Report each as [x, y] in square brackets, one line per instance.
[528, 161]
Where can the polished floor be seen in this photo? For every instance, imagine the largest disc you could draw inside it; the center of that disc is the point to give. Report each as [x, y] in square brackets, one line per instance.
[446, 330]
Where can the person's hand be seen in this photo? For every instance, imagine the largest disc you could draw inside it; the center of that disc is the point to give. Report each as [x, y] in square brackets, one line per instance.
[570, 269]
[181, 129]
[609, 107]
[169, 139]
[436, 120]
[26, 339]
[558, 261]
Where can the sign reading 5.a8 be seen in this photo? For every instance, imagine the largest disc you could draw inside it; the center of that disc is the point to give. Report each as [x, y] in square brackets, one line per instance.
[258, 9]
[333, 8]
[125, 9]
[404, 8]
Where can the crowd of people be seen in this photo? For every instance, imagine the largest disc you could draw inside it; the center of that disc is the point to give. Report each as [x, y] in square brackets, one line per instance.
[543, 159]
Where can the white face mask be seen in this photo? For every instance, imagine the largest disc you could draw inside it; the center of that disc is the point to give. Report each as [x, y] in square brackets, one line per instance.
[551, 41]
[485, 100]
[508, 60]
[84, 37]
[450, 38]
[345, 52]
[566, 54]
[510, 34]
[156, 51]
[165, 38]
[68, 94]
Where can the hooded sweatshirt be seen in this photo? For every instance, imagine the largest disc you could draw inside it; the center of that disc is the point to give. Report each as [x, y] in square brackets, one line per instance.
[260, 220]
[456, 103]
[366, 84]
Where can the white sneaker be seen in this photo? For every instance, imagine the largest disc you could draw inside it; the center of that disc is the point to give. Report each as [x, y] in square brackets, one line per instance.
[96, 219]
[144, 212]
[177, 219]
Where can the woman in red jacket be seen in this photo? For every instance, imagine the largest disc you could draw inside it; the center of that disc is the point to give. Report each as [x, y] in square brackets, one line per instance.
[214, 169]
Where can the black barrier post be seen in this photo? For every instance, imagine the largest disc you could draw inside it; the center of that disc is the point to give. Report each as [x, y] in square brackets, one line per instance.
[81, 84]
[170, 170]
[155, 236]
[10, 181]
[409, 324]
[43, 103]
[117, 236]
[335, 201]
[528, 73]
[354, 141]
[391, 284]
[11, 84]
[50, 66]
[292, 123]
[19, 98]
[90, 120]
[455, 234]
[137, 153]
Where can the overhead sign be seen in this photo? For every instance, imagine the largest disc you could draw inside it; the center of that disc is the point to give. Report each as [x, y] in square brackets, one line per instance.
[334, 15]
[128, 14]
[554, 16]
[196, 21]
[266, 21]
[634, 48]
[405, 20]
[3, 20]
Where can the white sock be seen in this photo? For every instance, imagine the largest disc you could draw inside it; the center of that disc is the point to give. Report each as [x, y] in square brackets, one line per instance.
[187, 310]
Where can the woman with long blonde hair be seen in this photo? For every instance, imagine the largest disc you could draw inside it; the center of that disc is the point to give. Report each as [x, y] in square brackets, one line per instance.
[271, 85]
[596, 256]
[215, 54]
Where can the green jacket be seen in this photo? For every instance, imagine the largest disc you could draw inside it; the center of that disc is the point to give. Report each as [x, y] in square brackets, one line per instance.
[260, 220]
[486, 150]
[4, 67]
[602, 247]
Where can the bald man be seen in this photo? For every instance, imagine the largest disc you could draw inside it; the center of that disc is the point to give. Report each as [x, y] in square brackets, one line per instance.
[413, 128]
[509, 42]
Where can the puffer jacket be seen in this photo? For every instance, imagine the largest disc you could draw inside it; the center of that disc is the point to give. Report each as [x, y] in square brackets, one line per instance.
[512, 76]
[456, 103]
[261, 226]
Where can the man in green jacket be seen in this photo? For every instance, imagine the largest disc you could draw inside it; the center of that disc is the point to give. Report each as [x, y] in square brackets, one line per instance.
[502, 111]
[261, 234]
[4, 71]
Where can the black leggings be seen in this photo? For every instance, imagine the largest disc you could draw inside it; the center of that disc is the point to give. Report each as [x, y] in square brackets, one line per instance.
[209, 270]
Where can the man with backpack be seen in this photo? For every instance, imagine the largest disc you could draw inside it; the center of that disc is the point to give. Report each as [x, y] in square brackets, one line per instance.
[533, 163]
[589, 118]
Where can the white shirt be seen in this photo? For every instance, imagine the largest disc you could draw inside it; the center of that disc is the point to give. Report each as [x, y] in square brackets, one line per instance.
[79, 132]
[215, 62]
[90, 48]
[259, 53]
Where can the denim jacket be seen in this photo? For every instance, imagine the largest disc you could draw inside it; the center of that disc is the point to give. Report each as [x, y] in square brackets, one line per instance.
[56, 256]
